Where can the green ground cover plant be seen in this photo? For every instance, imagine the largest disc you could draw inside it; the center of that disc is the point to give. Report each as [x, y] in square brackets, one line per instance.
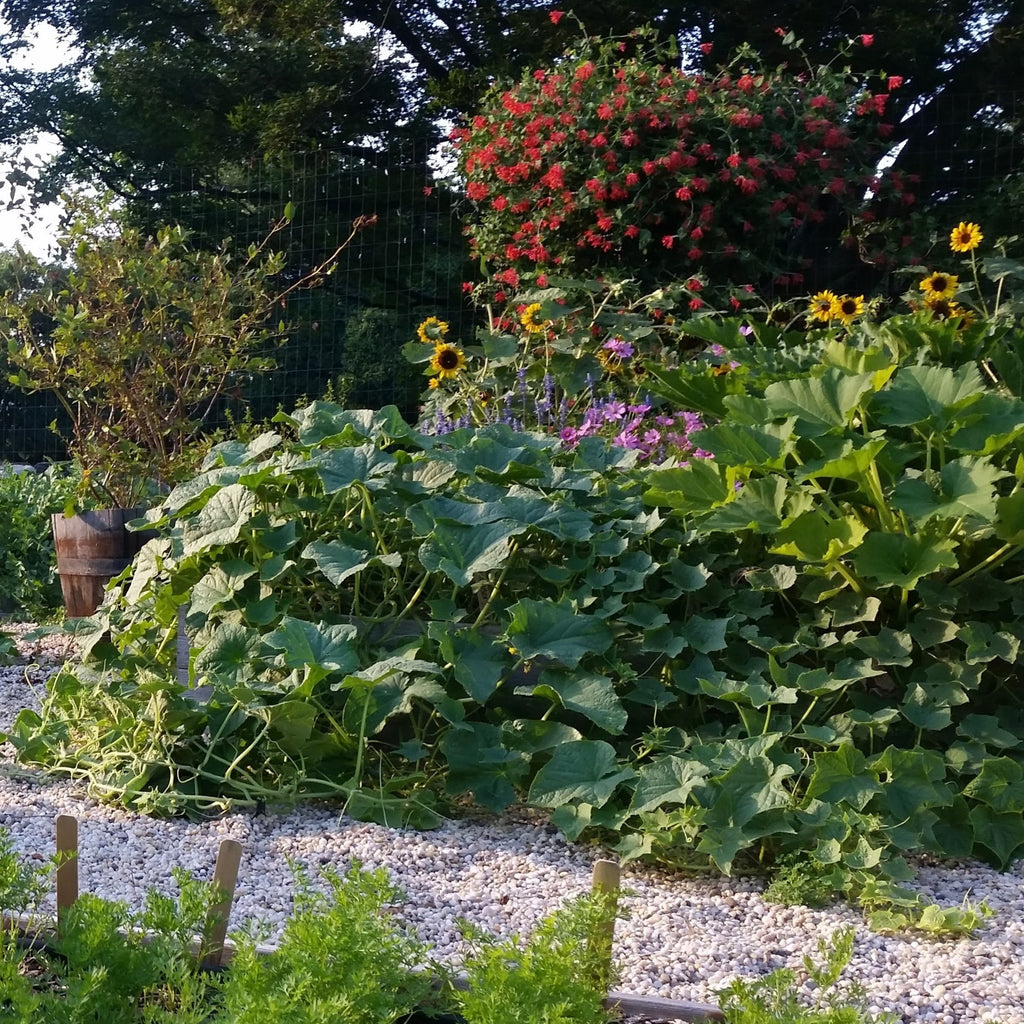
[342, 957]
[775, 999]
[806, 643]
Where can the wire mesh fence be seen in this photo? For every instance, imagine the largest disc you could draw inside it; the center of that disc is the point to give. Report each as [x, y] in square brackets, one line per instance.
[344, 337]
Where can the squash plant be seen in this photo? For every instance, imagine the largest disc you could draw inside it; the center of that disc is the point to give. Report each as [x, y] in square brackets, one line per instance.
[806, 644]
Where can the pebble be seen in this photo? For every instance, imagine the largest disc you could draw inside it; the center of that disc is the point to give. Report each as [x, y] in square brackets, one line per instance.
[683, 937]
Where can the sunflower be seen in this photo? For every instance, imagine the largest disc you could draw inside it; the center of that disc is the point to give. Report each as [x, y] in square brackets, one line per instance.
[433, 383]
[939, 286]
[533, 323]
[848, 307]
[432, 331]
[823, 306]
[965, 237]
[944, 309]
[447, 361]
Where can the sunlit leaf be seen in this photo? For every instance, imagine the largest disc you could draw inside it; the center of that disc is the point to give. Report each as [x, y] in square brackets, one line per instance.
[555, 630]
[584, 770]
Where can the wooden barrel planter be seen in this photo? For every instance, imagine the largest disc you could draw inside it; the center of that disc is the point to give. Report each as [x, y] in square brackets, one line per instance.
[92, 548]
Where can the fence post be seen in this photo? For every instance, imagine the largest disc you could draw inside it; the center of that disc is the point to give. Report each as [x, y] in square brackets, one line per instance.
[67, 866]
[225, 876]
[605, 884]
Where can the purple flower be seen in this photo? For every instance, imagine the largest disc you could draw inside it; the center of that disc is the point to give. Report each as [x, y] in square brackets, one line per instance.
[569, 436]
[619, 348]
[614, 410]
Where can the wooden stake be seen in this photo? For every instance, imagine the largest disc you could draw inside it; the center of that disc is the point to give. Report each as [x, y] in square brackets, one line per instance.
[67, 866]
[225, 876]
[605, 883]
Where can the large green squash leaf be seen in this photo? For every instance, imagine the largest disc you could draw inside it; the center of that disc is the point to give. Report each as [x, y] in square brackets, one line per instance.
[895, 560]
[555, 630]
[339, 561]
[221, 520]
[927, 395]
[317, 644]
[582, 771]
[820, 404]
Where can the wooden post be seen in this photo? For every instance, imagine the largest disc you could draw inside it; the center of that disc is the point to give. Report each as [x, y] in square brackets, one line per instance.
[605, 883]
[67, 866]
[225, 876]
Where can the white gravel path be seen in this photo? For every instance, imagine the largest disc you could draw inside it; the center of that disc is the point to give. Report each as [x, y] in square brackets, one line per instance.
[684, 938]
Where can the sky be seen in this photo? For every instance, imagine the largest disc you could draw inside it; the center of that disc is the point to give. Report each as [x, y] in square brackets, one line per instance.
[46, 53]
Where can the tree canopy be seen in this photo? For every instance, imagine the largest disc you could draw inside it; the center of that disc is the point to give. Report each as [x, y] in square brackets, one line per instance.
[198, 82]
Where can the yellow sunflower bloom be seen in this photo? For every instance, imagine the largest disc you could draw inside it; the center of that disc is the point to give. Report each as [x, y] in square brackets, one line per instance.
[939, 286]
[823, 306]
[447, 361]
[965, 237]
[433, 383]
[848, 307]
[432, 331]
[531, 321]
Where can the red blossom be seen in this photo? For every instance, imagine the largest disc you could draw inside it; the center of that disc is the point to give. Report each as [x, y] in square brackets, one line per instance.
[554, 178]
[867, 40]
[706, 48]
[556, 16]
[894, 82]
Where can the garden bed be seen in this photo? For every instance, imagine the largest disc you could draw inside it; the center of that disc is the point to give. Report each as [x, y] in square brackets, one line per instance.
[685, 937]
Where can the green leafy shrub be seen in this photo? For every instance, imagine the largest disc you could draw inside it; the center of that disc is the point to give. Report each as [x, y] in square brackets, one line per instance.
[29, 585]
[143, 338]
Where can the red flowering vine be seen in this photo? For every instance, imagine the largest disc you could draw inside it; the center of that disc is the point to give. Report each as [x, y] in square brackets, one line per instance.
[623, 164]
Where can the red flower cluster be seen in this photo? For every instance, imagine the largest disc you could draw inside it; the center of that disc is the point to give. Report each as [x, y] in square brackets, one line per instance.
[604, 160]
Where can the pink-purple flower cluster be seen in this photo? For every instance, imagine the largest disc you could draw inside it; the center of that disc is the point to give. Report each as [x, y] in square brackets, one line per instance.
[656, 435]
